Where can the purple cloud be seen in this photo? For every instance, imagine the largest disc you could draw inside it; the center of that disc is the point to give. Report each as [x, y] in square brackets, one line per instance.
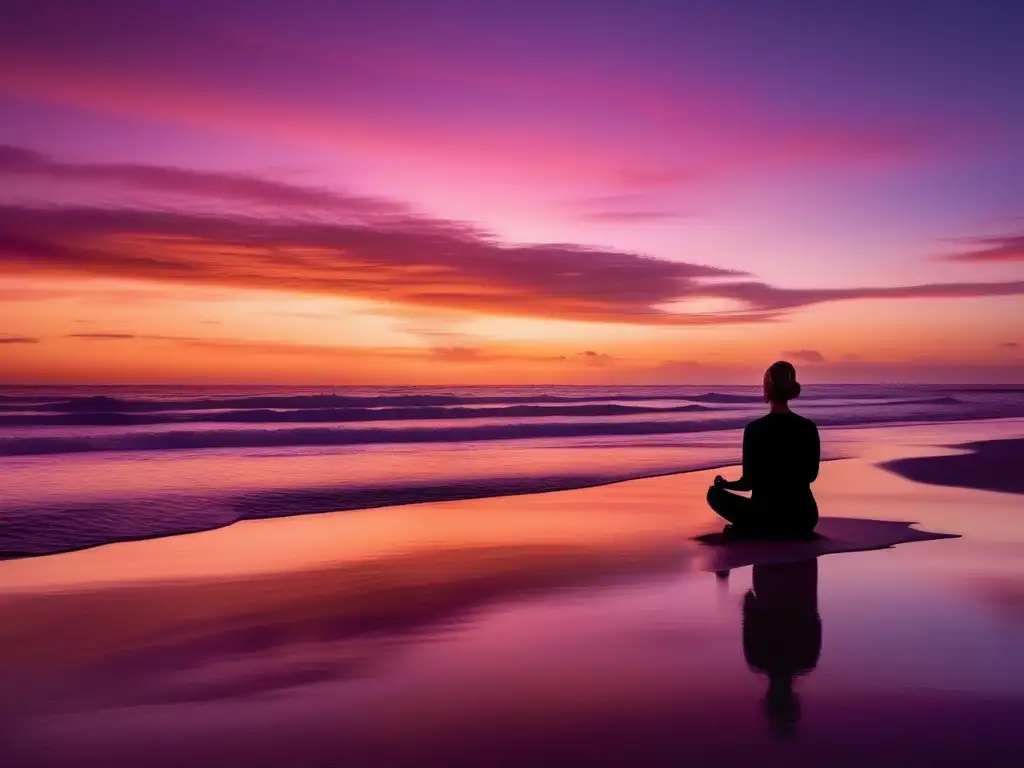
[18, 340]
[991, 249]
[770, 298]
[208, 185]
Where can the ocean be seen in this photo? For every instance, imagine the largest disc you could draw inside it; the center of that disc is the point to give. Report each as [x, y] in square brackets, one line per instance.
[86, 466]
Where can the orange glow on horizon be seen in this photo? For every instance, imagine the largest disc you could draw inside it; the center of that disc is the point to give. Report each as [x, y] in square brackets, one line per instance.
[108, 331]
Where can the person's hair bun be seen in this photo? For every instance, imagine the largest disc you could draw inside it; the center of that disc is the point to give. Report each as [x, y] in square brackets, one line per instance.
[780, 382]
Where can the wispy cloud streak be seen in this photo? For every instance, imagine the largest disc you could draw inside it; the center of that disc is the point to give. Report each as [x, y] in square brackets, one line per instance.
[1005, 248]
[407, 262]
[18, 162]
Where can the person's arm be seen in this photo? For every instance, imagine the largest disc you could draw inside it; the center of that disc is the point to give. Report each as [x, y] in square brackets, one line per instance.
[745, 481]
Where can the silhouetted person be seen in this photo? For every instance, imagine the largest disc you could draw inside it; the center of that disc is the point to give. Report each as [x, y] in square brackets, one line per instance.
[782, 635]
[781, 452]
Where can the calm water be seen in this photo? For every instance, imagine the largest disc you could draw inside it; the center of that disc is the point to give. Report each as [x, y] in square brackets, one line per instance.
[87, 466]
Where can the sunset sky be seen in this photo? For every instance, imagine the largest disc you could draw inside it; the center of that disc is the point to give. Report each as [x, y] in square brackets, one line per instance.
[466, 192]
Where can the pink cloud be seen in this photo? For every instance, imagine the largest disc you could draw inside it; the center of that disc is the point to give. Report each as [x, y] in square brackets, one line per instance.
[1007, 248]
[519, 153]
[732, 131]
[658, 135]
[770, 298]
[628, 217]
[16, 163]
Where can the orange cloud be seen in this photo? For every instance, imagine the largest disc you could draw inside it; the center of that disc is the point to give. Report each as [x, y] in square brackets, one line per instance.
[413, 262]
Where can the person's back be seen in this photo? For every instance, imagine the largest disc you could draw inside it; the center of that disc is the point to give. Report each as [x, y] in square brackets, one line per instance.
[781, 452]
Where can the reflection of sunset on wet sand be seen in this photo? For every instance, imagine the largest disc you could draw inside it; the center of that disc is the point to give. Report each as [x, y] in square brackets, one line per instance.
[599, 593]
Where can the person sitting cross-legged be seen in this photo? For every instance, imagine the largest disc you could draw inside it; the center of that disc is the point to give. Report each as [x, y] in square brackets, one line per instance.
[781, 453]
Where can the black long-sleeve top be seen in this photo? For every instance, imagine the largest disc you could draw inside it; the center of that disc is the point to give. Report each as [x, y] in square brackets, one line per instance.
[781, 453]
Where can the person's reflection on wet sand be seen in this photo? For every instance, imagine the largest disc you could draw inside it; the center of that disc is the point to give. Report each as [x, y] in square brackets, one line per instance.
[782, 635]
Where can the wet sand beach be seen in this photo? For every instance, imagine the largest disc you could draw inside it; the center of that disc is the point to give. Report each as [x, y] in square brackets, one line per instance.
[578, 626]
